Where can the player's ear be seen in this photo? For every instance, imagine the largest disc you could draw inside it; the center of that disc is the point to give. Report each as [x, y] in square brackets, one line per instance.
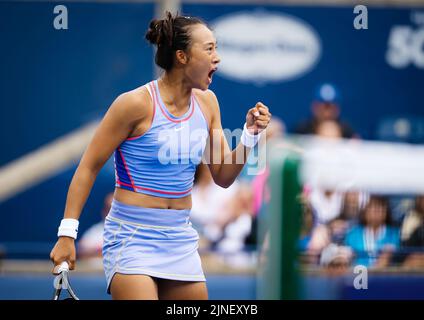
[181, 57]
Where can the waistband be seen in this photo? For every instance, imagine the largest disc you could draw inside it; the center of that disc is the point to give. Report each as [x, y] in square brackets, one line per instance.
[153, 217]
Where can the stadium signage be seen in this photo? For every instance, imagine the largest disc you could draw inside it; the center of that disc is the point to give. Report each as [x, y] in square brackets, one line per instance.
[262, 46]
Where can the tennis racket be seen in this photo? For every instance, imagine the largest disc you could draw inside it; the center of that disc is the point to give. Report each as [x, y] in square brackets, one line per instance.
[61, 281]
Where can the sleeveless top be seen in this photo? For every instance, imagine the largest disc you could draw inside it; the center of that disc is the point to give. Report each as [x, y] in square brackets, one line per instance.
[162, 161]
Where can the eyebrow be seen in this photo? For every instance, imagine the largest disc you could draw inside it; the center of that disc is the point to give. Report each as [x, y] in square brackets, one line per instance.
[209, 43]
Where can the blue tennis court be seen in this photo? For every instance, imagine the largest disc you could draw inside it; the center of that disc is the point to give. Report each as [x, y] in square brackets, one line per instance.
[29, 286]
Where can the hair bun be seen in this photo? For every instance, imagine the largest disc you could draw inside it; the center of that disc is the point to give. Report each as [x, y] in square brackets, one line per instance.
[153, 33]
[161, 31]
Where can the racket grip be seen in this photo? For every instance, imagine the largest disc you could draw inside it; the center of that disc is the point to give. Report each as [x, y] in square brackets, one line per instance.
[64, 266]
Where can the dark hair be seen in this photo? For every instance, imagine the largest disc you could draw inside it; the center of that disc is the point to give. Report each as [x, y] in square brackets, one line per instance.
[169, 35]
[381, 200]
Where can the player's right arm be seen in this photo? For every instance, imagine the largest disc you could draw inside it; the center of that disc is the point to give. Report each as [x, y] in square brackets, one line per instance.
[128, 110]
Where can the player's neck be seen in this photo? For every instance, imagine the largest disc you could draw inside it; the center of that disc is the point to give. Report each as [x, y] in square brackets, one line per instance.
[175, 90]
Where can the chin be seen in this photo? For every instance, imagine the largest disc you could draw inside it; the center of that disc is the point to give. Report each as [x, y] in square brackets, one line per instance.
[202, 86]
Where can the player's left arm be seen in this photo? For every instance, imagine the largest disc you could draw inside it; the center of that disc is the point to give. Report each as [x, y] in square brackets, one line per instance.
[226, 164]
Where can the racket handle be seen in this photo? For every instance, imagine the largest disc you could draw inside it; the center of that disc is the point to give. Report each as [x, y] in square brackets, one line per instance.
[64, 266]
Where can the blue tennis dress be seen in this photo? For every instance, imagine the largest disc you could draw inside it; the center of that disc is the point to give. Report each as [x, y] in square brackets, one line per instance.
[157, 242]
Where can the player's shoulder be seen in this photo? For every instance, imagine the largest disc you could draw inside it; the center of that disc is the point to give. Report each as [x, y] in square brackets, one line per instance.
[136, 97]
[135, 103]
[205, 95]
[208, 102]
[208, 99]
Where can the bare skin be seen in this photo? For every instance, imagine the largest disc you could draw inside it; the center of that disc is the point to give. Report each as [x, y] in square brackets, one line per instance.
[131, 115]
[182, 290]
[127, 287]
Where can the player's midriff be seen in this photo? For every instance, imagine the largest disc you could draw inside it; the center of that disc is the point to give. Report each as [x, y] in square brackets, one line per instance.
[148, 201]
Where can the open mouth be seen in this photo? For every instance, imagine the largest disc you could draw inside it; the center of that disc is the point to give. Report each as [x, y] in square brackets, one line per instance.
[211, 73]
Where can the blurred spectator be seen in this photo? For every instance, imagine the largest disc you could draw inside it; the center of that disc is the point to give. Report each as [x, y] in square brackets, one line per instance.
[413, 236]
[205, 206]
[414, 219]
[353, 203]
[336, 260]
[329, 129]
[313, 238]
[326, 204]
[401, 206]
[325, 107]
[222, 216]
[91, 243]
[237, 222]
[374, 239]
[320, 238]
[334, 231]
[415, 247]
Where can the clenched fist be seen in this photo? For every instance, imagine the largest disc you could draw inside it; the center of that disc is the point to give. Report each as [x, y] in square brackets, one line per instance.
[257, 118]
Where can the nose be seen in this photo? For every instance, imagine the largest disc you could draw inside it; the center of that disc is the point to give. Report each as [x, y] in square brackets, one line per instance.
[217, 58]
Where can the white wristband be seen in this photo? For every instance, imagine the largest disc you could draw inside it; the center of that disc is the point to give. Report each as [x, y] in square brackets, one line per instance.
[68, 228]
[249, 140]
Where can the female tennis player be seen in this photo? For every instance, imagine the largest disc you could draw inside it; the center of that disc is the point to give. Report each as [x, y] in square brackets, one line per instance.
[159, 133]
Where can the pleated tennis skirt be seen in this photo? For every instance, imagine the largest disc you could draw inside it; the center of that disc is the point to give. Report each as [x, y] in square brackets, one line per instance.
[157, 242]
